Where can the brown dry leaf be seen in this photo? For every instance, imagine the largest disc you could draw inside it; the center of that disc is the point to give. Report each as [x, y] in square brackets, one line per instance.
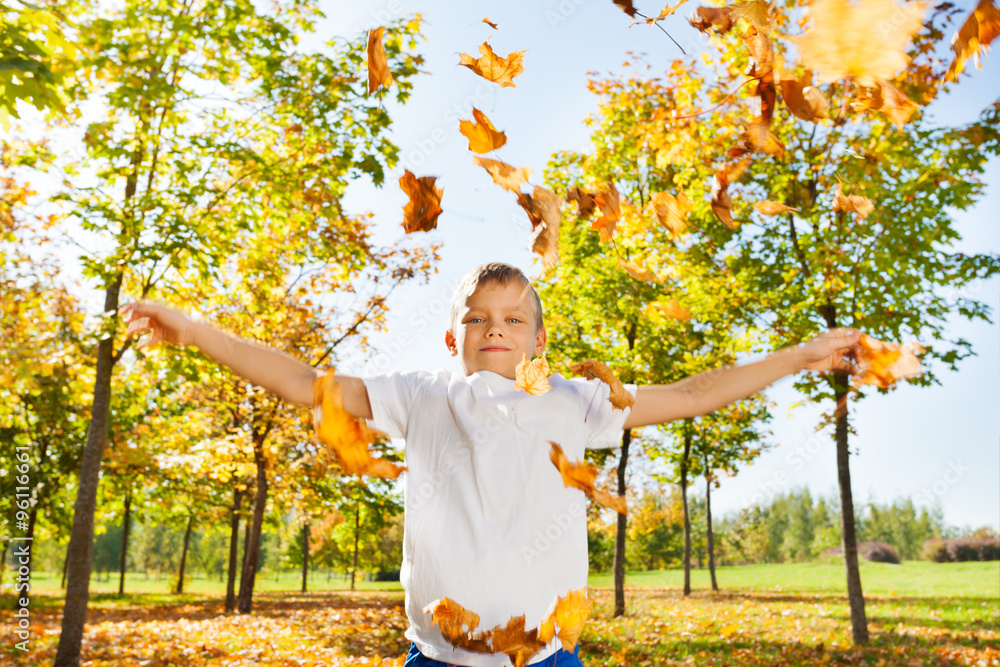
[722, 202]
[866, 41]
[720, 18]
[346, 437]
[666, 11]
[756, 12]
[803, 99]
[585, 203]
[504, 175]
[517, 643]
[490, 23]
[581, 476]
[671, 211]
[761, 52]
[768, 207]
[884, 364]
[973, 38]
[532, 376]
[494, 68]
[570, 614]
[378, 69]
[608, 202]
[482, 136]
[856, 204]
[625, 6]
[638, 272]
[889, 100]
[421, 212]
[620, 398]
[457, 625]
[542, 208]
[672, 309]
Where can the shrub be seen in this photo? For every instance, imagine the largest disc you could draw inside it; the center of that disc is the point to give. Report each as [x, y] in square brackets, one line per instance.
[960, 551]
[879, 552]
[989, 550]
[935, 550]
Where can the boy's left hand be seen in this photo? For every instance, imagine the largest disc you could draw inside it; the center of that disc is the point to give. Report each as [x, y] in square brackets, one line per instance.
[832, 351]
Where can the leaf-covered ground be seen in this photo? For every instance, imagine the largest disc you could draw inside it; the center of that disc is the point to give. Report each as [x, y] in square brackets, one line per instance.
[735, 627]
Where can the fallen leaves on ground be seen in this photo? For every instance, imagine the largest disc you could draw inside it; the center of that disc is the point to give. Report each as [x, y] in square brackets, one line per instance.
[532, 376]
[482, 136]
[582, 476]
[885, 364]
[378, 69]
[490, 66]
[421, 212]
[346, 437]
[619, 397]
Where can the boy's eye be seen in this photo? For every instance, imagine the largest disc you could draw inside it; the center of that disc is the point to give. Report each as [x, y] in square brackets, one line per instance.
[513, 319]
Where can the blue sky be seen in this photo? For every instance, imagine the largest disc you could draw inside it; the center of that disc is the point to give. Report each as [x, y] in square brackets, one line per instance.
[938, 445]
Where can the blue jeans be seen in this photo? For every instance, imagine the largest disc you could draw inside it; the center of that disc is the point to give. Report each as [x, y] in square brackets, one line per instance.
[560, 658]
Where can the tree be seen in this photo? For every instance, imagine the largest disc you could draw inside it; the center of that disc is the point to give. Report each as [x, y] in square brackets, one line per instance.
[37, 51]
[818, 265]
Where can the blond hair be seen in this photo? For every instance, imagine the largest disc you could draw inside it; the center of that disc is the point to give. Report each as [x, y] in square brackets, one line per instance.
[492, 273]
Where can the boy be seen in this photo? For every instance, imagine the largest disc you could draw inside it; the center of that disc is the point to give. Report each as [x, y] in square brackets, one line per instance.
[488, 522]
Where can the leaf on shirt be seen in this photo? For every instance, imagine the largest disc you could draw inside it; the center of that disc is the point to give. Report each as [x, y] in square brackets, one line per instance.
[884, 364]
[458, 626]
[581, 476]
[569, 613]
[517, 643]
[346, 437]
[620, 398]
[532, 376]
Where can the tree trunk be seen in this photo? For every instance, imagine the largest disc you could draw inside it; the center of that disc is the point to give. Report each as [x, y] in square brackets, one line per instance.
[855, 595]
[234, 548]
[81, 542]
[684, 499]
[620, 530]
[245, 602]
[305, 556]
[708, 515]
[126, 520]
[357, 532]
[62, 584]
[3, 560]
[184, 553]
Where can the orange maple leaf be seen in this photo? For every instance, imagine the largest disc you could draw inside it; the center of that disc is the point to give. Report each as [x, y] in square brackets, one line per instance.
[720, 18]
[494, 68]
[517, 643]
[503, 174]
[888, 99]
[421, 212]
[608, 202]
[768, 207]
[378, 69]
[856, 204]
[666, 11]
[756, 12]
[490, 23]
[865, 41]
[722, 202]
[581, 476]
[482, 136]
[884, 364]
[569, 613]
[672, 309]
[803, 99]
[975, 35]
[672, 211]
[542, 207]
[346, 437]
[619, 397]
[532, 376]
[638, 272]
[458, 628]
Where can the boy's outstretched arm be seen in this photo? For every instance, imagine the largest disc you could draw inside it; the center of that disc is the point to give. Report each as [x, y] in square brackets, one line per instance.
[275, 371]
[709, 391]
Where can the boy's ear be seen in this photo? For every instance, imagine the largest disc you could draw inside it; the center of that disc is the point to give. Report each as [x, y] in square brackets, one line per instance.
[449, 340]
[540, 337]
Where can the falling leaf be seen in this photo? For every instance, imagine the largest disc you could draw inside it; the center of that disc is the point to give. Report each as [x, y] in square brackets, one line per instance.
[542, 208]
[884, 364]
[378, 69]
[619, 397]
[666, 11]
[974, 37]
[756, 13]
[515, 642]
[856, 204]
[722, 202]
[865, 41]
[482, 136]
[671, 211]
[638, 272]
[346, 437]
[889, 100]
[494, 68]
[803, 99]
[774, 208]
[625, 6]
[532, 376]
[761, 52]
[490, 23]
[720, 18]
[607, 201]
[581, 476]
[504, 175]
[421, 212]
[584, 201]
[672, 309]
[569, 614]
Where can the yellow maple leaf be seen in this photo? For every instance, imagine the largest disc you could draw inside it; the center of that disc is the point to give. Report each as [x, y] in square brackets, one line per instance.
[494, 68]
[532, 376]
[482, 136]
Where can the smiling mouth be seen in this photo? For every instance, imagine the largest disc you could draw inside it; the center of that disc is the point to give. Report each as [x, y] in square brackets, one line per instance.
[494, 348]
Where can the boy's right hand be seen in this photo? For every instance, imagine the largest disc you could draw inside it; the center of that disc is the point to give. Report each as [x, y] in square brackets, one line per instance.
[165, 323]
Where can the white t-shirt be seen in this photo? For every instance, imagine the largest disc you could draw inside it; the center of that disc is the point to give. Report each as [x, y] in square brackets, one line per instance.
[488, 521]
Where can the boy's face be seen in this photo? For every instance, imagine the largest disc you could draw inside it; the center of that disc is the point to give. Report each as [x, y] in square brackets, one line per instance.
[495, 329]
